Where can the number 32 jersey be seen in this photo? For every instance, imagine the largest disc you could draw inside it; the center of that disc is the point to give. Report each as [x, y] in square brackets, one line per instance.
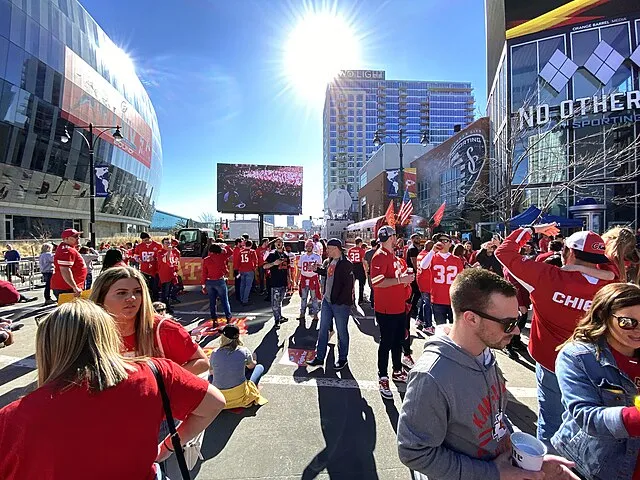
[444, 267]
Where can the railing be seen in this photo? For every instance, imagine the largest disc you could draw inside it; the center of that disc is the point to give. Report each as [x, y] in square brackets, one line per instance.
[27, 274]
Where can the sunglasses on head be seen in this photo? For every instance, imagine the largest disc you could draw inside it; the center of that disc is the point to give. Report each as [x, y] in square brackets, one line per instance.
[626, 323]
[445, 240]
[509, 323]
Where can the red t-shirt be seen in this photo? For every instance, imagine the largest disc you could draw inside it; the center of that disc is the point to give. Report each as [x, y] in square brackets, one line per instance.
[543, 256]
[356, 254]
[385, 264]
[68, 256]
[444, 267]
[260, 251]
[8, 293]
[423, 275]
[216, 266]
[177, 344]
[248, 261]
[168, 267]
[148, 253]
[236, 257]
[114, 432]
[544, 244]
[559, 297]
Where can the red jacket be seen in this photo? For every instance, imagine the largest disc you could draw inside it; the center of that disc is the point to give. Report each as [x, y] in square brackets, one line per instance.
[215, 265]
[559, 297]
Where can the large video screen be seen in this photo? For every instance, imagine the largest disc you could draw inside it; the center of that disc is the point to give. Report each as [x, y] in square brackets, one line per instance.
[272, 189]
[524, 17]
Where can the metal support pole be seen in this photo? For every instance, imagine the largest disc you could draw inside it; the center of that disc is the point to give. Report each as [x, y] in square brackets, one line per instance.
[260, 227]
[92, 190]
[400, 229]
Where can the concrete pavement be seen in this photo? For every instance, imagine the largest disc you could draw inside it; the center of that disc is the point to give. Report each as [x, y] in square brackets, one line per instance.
[318, 423]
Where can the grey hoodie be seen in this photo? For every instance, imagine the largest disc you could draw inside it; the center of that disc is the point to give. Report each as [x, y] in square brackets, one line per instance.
[449, 414]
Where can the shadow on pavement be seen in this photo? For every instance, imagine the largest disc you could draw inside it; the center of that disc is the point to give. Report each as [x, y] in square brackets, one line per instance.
[368, 327]
[16, 393]
[522, 416]
[17, 370]
[349, 430]
[268, 349]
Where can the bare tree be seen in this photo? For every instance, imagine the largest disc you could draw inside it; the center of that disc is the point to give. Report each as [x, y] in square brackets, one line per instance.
[208, 217]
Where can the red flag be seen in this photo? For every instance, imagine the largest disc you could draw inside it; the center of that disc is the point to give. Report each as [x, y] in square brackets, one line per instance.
[390, 215]
[437, 217]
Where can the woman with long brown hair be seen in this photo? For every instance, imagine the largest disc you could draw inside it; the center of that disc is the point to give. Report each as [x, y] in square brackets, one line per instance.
[96, 414]
[624, 258]
[598, 373]
[123, 292]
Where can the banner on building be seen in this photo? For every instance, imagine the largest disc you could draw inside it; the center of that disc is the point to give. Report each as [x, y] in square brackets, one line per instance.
[393, 183]
[101, 173]
[410, 184]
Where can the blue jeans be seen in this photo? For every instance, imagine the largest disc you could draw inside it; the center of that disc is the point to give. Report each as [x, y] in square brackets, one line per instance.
[304, 294]
[246, 282]
[549, 405]
[254, 374]
[277, 296]
[46, 276]
[425, 310]
[215, 289]
[328, 313]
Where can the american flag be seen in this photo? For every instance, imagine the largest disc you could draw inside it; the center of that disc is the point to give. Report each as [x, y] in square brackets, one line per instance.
[406, 209]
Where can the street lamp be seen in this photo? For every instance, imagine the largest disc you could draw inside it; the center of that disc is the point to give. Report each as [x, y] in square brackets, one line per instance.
[377, 142]
[90, 141]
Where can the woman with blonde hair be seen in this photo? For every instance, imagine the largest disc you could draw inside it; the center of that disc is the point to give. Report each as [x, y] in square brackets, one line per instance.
[235, 371]
[96, 414]
[624, 258]
[599, 376]
[123, 292]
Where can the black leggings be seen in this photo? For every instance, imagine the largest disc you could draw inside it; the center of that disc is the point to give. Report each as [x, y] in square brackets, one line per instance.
[361, 277]
[392, 329]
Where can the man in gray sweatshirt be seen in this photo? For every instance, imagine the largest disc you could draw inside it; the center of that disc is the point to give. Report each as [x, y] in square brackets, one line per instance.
[453, 424]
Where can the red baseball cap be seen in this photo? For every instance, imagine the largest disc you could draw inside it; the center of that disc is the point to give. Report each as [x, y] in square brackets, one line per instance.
[70, 232]
[590, 244]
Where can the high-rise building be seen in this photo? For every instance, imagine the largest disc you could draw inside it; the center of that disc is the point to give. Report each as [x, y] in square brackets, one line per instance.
[291, 221]
[270, 219]
[59, 72]
[360, 102]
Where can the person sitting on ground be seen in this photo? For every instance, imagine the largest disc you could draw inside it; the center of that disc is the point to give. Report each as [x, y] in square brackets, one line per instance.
[235, 371]
[123, 292]
[89, 392]
[9, 295]
[113, 258]
[598, 372]
[6, 337]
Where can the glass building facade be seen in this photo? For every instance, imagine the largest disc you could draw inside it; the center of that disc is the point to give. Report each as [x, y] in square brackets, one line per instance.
[58, 73]
[359, 103]
[564, 110]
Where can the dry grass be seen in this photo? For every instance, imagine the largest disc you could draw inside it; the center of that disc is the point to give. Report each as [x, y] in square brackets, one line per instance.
[28, 248]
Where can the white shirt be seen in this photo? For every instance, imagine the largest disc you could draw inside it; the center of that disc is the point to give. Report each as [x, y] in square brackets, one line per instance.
[306, 261]
[318, 249]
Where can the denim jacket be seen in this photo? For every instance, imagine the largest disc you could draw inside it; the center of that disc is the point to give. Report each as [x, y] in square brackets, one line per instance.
[594, 392]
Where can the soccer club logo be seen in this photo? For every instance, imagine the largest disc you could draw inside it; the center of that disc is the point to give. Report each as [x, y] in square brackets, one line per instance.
[468, 155]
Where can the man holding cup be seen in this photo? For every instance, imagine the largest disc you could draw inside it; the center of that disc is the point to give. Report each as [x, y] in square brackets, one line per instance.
[453, 423]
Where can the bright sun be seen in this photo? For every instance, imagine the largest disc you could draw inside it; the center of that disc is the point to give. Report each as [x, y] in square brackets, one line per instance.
[319, 46]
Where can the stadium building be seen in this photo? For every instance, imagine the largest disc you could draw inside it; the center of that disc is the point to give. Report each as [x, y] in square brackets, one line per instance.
[58, 73]
[360, 102]
[564, 108]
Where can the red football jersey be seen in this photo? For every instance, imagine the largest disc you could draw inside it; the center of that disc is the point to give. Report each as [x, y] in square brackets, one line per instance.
[68, 256]
[444, 267]
[148, 252]
[385, 264]
[355, 254]
[168, 266]
[247, 260]
[423, 275]
[559, 297]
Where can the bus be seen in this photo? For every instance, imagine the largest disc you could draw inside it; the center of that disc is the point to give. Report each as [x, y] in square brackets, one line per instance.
[368, 229]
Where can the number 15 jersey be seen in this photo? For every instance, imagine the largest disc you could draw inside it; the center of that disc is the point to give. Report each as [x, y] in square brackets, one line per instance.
[444, 267]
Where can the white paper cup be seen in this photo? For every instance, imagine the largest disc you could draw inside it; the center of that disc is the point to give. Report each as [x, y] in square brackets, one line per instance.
[528, 452]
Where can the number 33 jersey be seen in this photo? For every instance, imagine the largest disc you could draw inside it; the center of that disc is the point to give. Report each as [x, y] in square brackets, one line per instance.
[444, 269]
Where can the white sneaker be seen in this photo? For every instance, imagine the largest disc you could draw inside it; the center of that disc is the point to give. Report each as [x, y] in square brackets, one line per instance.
[385, 391]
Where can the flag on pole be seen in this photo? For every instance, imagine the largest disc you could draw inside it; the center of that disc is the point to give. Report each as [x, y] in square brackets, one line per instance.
[406, 209]
[390, 215]
[437, 217]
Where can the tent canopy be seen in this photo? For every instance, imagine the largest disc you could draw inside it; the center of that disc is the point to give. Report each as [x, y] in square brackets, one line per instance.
[531, 214]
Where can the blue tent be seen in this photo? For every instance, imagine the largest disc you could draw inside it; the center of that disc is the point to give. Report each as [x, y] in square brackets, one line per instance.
[525, 218]
[563, 222]
[531, 214]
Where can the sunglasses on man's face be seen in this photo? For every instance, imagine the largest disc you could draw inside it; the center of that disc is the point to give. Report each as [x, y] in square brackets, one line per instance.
[626, 323]
[509, 323]
[445, 240]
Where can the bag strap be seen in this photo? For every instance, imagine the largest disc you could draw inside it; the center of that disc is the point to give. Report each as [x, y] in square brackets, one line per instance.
[175, 438]
[159, 338]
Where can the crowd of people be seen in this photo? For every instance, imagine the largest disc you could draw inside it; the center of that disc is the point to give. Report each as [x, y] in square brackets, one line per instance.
[580, 294]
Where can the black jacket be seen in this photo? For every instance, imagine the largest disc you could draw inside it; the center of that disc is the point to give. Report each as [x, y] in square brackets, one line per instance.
[342, 290]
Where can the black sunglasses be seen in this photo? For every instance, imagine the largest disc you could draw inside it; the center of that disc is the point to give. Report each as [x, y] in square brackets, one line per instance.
[509, 323]
[445, 240]
[626, 323]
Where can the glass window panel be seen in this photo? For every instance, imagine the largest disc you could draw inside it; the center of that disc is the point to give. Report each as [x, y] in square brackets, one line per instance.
[4, 52]
[18, 26]
[15, 64]
[43, 50]
[583, 44]
[5, 19]
[33, 37]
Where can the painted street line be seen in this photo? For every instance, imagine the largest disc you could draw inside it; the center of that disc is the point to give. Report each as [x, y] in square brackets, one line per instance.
[6, 360]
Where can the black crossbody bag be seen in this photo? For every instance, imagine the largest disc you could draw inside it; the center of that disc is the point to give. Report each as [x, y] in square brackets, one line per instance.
[175, 438]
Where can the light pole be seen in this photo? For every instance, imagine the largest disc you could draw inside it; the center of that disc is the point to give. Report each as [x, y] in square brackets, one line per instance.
[377, 141]
[117, 136]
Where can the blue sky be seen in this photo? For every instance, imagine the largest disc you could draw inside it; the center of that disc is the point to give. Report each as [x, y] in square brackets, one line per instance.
[215, 72]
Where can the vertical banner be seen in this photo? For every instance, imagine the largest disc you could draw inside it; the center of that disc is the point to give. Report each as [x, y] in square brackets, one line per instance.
[410, 184]
[393, 183]
[101, 173]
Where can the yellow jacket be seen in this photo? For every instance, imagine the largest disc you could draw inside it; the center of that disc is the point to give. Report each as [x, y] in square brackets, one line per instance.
[244, 395]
